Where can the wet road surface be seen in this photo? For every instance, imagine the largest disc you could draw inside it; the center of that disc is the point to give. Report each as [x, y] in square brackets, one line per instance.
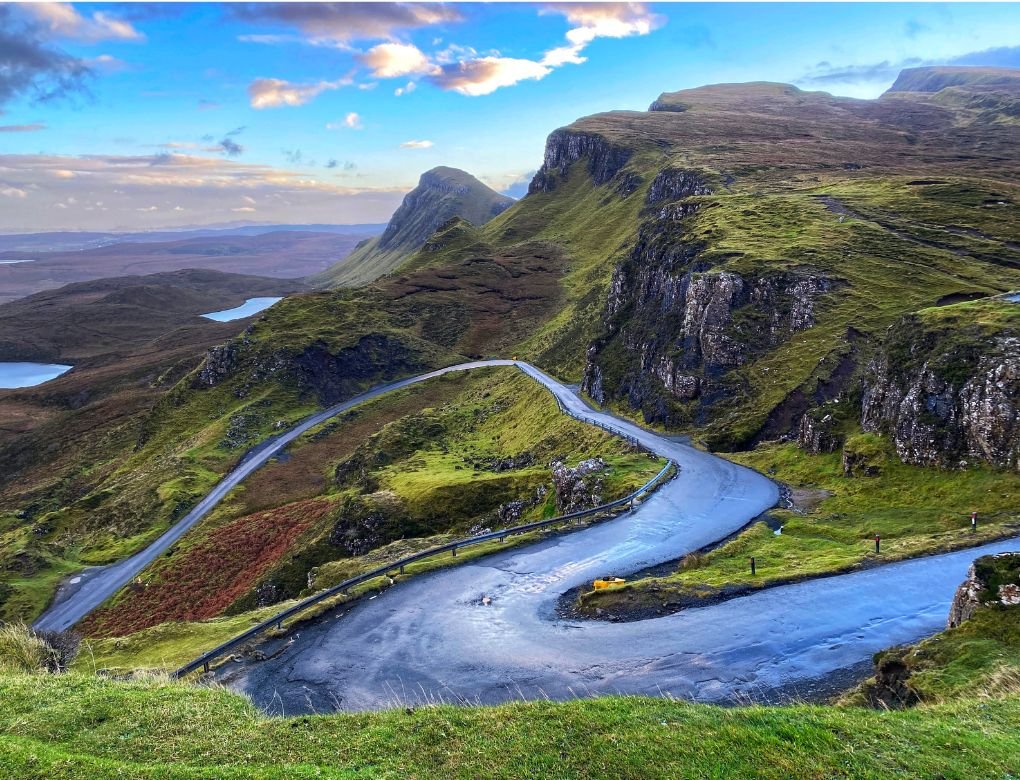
[433, 638]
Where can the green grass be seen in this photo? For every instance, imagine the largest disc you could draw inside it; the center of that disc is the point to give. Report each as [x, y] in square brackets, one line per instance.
[979, 657]
[75, 726]
[916, 510]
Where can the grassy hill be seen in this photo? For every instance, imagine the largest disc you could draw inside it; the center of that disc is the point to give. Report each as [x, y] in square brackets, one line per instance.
[441, 195]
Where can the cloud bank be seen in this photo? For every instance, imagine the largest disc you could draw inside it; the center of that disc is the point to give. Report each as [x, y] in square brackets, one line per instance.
[103, 192]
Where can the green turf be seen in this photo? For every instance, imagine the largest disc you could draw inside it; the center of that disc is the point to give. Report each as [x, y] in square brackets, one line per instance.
[82, 727]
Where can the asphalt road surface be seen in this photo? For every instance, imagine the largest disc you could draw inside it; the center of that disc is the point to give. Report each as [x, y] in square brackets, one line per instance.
[487, 632]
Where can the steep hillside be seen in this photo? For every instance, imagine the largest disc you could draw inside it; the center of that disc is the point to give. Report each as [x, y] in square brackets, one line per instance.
[442, 194]
[130, 340]
[934, 79]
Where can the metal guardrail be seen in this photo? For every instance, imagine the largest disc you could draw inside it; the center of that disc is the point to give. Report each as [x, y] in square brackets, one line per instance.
[277, 620]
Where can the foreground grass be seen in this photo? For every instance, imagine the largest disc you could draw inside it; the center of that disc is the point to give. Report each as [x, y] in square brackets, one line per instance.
[917, 511]
[82, 727]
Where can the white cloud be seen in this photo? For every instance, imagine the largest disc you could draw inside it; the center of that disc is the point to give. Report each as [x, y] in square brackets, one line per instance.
[274, 93]
[243, 210]
[13, 192]
[389, 60]
[64, 21]
[487, 74]
[148, 208]
[598, 20]
[407, 89]
[107, 62]
[352, 122]
[474, 76]
[416, 145]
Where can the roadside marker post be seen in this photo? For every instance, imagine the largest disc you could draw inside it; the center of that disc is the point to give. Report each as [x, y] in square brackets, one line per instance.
[752, 565]
[973, 521]
[878, 543]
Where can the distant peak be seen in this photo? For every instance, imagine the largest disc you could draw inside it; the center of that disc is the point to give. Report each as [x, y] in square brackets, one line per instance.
[939, 77]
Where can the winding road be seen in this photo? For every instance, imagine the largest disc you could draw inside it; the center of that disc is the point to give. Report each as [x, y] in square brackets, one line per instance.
[91, 587]
[433, 638]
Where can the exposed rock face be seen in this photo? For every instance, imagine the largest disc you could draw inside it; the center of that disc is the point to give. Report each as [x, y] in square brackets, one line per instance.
[675, 328]
[991, 580]
[675, 183]
[579, 487]
[564, 147]
[816, 434]
[219, 362]
[332, 377]
[945, 399]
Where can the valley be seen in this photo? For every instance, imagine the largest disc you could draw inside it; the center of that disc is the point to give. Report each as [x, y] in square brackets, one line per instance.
[805, 302]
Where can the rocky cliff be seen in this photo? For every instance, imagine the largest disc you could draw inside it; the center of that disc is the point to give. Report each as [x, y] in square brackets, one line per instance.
[946, 387]
[565, 147]
[676, 325]
[993, 580]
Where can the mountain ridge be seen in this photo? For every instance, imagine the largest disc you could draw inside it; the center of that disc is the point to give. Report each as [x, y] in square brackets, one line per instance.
[442, 193]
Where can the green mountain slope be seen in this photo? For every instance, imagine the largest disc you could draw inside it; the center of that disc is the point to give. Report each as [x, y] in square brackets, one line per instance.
[442, 194]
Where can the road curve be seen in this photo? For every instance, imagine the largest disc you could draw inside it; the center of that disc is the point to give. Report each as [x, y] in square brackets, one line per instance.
[433, 638]
[91, 587]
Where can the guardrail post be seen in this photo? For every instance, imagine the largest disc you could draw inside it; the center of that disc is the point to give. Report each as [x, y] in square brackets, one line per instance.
[401, 568]
[205, 666]
[454, 551]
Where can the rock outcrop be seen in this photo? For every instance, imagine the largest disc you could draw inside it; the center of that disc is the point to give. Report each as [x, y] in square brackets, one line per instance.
[816, 433]
[947, 393]
[579, 487]
[564, 147]
[992, 580]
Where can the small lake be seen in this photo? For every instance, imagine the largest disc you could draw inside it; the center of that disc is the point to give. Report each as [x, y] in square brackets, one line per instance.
[14, 375]
[1013, 297]
[246, 309]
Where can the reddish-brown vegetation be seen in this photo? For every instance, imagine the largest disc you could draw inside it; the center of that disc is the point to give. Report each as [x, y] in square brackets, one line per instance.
[201, 581]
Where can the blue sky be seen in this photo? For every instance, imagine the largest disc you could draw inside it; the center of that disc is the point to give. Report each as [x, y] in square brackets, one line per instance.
[121, 116]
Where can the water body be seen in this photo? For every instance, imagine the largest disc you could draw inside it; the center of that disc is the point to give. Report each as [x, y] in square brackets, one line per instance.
[14, 375]
[1014, 297]
[246, 309]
